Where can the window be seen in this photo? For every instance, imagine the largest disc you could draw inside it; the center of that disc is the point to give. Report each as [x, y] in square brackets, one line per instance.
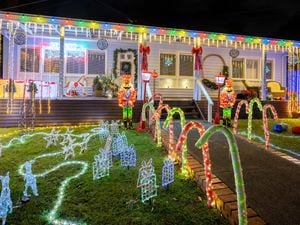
[185, 65]
[237, 68]
[96, 62]
[51, 61]
[269, 70]
[252, 69]
[30, 60]
[76, 62]
[168, 64]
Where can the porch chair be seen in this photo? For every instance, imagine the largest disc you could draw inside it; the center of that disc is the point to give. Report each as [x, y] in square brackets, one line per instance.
[276, 90]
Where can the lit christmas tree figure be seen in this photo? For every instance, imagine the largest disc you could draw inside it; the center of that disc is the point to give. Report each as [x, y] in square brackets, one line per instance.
[30, 180]
[101, 165]
[147, 181]
[167, 173]
[5, 198]
[128, 157]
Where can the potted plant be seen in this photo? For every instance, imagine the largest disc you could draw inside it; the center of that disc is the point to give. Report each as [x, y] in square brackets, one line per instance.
[98, 87]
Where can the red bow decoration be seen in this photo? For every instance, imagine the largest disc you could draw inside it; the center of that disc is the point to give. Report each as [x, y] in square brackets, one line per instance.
[145, 50]
[198, 57]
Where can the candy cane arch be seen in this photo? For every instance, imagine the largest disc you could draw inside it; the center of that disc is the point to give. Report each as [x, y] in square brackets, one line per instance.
[237, 113]
[182, 123]
[157, 115]
[265, 119]
[157, 131]
[255, 100]
[237, 170]
[205, 153]
[157, 95]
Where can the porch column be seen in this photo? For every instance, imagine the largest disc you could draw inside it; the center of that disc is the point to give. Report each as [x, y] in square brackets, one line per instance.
[263, 73]
[61, 62]
[140, 86]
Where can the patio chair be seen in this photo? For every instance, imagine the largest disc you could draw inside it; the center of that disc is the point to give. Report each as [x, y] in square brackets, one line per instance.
[276, 90]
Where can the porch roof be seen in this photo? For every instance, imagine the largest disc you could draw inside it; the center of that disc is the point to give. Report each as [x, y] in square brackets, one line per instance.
[38, 25]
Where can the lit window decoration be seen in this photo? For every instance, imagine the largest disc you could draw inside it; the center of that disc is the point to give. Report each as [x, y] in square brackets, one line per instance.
[101, 165]
[114, 128]
[167, 172]
[5, 198]
[147, 181]
[52, 138]
[237, 113]
[128, 156]
[30, 180]
[265, 119]
[237, 169]
[250, 114]
[168, 61]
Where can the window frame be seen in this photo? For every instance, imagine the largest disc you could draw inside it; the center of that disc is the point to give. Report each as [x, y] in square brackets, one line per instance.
[273, 69]
[19, 63]
[245, 69]
[87, 64]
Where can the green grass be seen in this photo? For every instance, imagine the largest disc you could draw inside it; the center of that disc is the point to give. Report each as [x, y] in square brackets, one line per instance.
[111, 200]
[286, 140]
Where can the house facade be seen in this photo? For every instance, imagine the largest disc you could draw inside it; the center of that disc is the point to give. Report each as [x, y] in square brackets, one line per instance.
[54, 51]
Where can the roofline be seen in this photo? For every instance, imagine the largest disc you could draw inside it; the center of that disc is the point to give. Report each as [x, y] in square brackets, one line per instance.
[153, 30]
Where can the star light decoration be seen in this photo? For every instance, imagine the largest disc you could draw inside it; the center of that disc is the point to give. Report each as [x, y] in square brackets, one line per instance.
[68, 149]
[167, 172]
[52, 138]
[67, 136]
[5, 198]
[101, 165]
[83, 144]
[30, 179]
[128, 156]
[147, 181]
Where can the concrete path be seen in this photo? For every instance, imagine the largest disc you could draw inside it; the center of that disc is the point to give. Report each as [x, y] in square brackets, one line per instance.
[272, 184]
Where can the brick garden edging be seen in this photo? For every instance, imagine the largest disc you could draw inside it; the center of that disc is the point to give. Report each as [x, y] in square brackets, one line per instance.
[225, 198]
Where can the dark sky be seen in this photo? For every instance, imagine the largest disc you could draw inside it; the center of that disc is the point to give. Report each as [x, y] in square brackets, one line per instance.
[263, 18]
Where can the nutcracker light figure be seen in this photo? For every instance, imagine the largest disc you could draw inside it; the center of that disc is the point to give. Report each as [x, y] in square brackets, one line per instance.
[126, 100]
[227, 100]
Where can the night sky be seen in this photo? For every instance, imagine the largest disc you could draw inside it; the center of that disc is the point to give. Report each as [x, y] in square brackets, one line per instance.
[257, 17]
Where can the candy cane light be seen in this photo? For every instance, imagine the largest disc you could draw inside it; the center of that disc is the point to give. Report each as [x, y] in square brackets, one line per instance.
[236, 164]
[205, 153]
[157, 115]
[265, 119]
[237, 113]
[157, 130]
[157, 95]
[182, 123]
[250, 114]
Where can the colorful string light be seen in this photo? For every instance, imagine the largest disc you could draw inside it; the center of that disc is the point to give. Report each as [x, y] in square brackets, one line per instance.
[237, 113]
[250, 114]
[265, 119]
[236, 164]
[205, 154]
[182, 123]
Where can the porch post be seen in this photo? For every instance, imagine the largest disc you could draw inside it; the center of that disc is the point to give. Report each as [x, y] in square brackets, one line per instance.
[263, 74]
[61, 62]
[139, 79]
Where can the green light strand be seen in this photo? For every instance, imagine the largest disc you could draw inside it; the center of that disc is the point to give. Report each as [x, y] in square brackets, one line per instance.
[236, 164]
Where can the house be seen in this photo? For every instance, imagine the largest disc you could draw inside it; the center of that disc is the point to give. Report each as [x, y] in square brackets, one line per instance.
[52, 51]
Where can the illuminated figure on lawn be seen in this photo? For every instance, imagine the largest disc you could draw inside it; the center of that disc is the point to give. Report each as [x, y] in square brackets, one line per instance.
[101, 165]
[126, 99]
[5, 198]
[30, 179]
[114, 128]
[128, 156]
[52, 138]
[227, 100]
[119, 143]
[104, 131]
[167, 172]
[147, 181]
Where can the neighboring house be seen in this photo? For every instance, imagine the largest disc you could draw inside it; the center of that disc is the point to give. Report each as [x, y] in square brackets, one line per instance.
[58, 50]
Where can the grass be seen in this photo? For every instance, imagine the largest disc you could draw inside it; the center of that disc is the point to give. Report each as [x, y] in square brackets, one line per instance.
[110, 200]
[285, 140]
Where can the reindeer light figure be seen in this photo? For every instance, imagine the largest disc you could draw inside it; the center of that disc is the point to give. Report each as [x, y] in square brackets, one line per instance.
[5, 198]
[30, 180]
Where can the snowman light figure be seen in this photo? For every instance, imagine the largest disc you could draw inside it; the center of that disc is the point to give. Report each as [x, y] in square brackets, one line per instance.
[30, 180]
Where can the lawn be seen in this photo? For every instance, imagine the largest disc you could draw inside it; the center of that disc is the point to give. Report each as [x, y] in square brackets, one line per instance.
[286, 142]
[110, 200]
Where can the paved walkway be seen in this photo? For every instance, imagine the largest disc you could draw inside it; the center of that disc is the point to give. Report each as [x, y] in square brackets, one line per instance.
[272, 184]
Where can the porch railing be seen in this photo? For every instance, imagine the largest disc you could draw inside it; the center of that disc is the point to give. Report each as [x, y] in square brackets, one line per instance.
[210, 103]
